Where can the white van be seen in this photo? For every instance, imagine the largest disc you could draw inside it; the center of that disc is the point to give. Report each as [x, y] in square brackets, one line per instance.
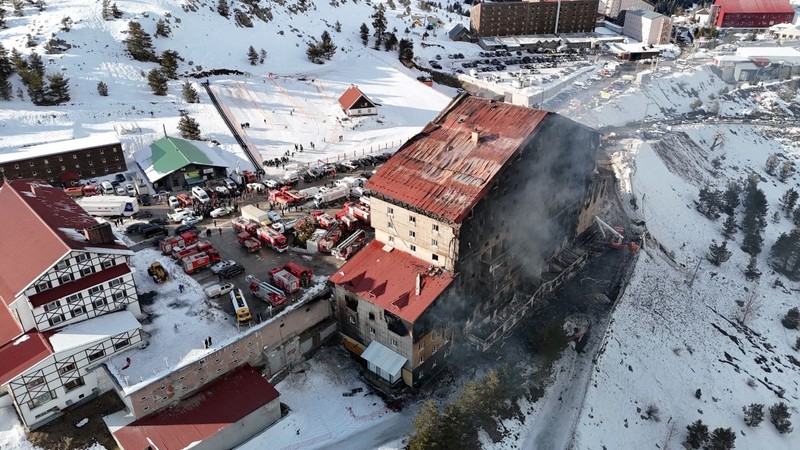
[200, 194]
[108, 188]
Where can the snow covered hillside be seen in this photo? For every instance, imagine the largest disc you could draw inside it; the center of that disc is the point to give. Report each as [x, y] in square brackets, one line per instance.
[207, 41]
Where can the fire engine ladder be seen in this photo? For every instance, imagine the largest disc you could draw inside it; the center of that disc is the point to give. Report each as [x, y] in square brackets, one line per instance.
[347, 242]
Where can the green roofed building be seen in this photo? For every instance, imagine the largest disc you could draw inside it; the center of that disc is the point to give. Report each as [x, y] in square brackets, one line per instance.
[177, 163]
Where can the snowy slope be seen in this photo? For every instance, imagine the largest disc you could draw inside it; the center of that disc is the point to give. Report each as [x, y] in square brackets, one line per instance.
[207, 41]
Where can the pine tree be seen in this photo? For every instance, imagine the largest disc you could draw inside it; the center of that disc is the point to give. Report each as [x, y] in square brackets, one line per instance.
[796, 217]
[752, 272]
[57, 89]
[697, 434]
[785, 252]
[753, 414]
[162, 28]
[791, 320]
[157, 82]
[17, 8]
[115, 12]
[718, 253]
[337, 27]
[105, 11]
[252, 56]
[222, 8]
[405, 50]
[102, 88]
[788, 201]
[708, 202]
[190, 93]
[6, 66]
[731, 198]
[19, 62]
[729, 227]
[722, 439]
[6, 90]
[364, 32]
[34, 81]
[35, 64]
[390, 43]
[169, 64]
[2, 18]
[139, 43]
[189, 128]
[427, 428]
[772, 164]
[779, 415]
[313, 53]
[787, 170]
[379, 24]
[326, 46]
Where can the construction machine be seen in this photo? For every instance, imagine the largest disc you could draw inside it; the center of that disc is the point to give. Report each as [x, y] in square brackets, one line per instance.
[157, 272]
[613, 237]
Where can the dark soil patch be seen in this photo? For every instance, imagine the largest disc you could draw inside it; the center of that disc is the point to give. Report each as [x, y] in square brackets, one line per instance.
[63, 434]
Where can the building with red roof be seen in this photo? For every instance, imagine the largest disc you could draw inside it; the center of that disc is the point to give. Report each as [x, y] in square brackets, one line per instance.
[466, 215]
[224, 414]
[59, 269]
[356, 103]
[751, 14]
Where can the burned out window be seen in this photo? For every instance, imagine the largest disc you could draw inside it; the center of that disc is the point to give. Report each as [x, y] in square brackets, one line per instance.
[351, 303]
[395, 324]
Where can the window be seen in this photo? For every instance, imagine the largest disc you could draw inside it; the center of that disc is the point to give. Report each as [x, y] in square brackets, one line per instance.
[16, 166]
[352, 319]
[74, 298]
[100, 302]
[82, 257]
[49, 171]
[421, 360]
[371, 316]
[412, 219]
[394, 342]
[78, 311]
[56, 320]
[413, 247]
[121, 344]
[97, 355]
[434, 335]
[42, 286]
[52, 306]
[435, 228]
[46, 161]
[435, 243]
[116, 158]
[101, 151]
[95, 290]
[93, 171]
[41, 400]
[391, 239]
[87, 271]
[62, 265]
[389, 211]
[74, 384]
[66, 368]
[421, 346]
[118, 296]
[104, 160]
[107, 264]
[371, 330]
[61, 158]
[91, 163]
[433, 350]
[434, 257]
[390, 225]
[63, 167]
[38, 381]
[412, 234]
[65, 278]
[116, 282]
[74, 156]
[34, 173]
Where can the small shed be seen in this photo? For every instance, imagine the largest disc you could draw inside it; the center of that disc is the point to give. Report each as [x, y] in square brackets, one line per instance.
[459, 33]
[355, 103]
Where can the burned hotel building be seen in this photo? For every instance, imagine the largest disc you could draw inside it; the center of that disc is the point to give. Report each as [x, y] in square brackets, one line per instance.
[476, 220]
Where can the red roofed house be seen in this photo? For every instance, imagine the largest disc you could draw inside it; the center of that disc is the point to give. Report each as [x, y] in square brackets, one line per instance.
[751, 13]
[467, 215]
[59, 267]
[355, 103]
[224, 414]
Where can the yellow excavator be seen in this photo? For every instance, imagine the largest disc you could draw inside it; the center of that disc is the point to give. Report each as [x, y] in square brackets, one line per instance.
[157, 272]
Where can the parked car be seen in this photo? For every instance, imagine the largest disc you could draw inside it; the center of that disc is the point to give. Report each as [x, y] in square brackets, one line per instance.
[120, 178]
[231, 271]
[256, 187]
[145, 200]
[220, 212]
[191, 220]
[180, 214]
[135, 228]
[158, 221]
[151, 230]
[142, 215]
[350, 165]
[222, 190]
[130, 190]
[185, 228]
[272, 184]
[218, 290]
[221, 265]
[173, 202]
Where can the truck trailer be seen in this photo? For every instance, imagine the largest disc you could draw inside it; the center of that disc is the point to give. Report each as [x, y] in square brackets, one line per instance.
[108, 205]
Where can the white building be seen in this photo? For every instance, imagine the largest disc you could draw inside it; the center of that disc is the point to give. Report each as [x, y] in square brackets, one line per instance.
[702, 17]
[647, 27]
[612, 8]
[59, 269]
[355, 103]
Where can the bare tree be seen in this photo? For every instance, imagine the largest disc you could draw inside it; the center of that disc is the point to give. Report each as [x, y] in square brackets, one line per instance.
[751, 305]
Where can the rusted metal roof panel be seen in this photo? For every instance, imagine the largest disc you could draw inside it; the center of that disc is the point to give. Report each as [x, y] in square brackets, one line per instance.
[443, 170]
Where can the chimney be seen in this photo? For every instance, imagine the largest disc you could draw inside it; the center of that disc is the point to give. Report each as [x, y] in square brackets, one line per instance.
[99, 234]
[419, 284]
[476, 136]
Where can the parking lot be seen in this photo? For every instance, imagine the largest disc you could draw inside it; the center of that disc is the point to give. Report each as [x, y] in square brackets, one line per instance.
[221, 234]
